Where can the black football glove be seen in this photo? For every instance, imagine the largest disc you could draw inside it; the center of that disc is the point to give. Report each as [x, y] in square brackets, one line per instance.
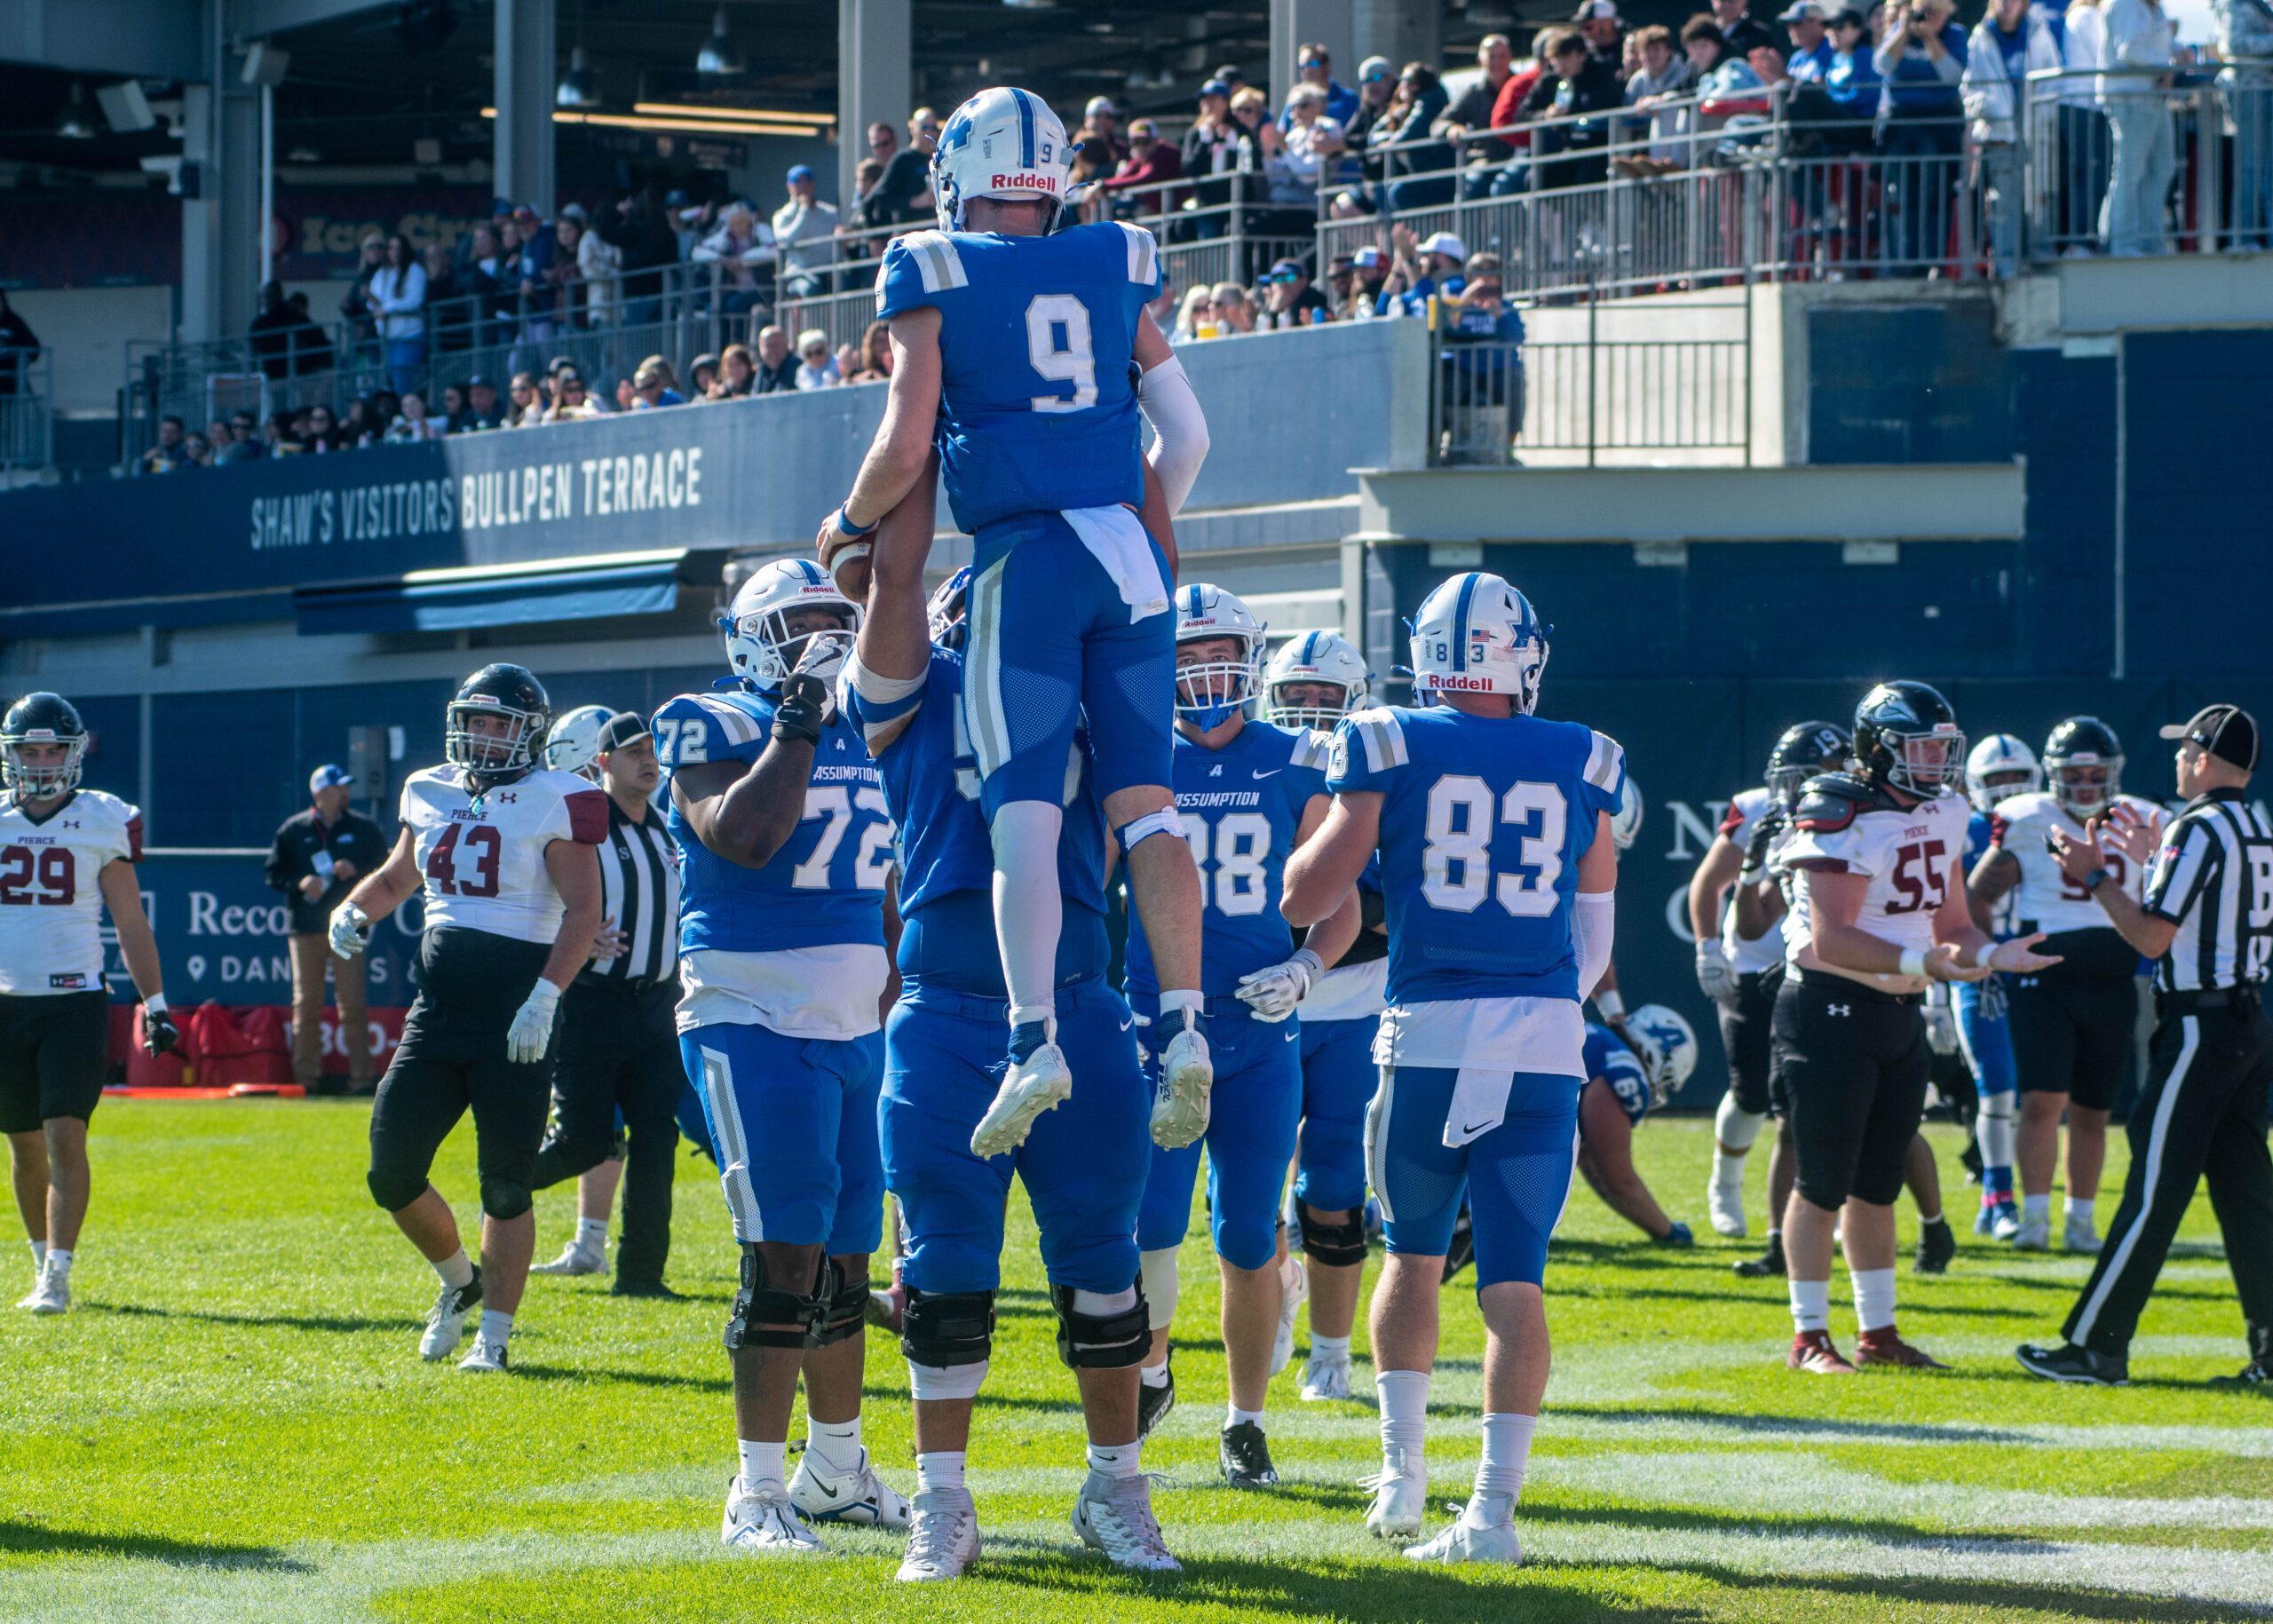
[160, 1035]
[803, 708]
[1765, 827]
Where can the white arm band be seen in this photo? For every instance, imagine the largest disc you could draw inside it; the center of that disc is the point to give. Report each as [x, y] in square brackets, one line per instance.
[1179, 429]
[1594, 921]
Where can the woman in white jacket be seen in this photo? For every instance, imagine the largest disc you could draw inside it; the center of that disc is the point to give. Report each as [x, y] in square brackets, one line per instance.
[2010, 43]
[2135, 219]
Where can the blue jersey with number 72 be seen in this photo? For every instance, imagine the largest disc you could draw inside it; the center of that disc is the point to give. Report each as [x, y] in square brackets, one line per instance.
[1037, 346]
[1484, 820]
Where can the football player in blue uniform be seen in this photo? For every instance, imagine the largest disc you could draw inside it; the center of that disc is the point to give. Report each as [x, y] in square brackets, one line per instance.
[1494, 833]
[1627, 1076]
[1250, 794]
[1314, 680]
[1998, 767]
[1083, 1165]
[1024, 355]
[787, 851]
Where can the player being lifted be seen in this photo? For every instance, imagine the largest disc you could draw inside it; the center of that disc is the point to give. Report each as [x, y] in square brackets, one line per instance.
[1083, 1165]
[1024, 355]
[1997, 768]
[1314, 680]
[786, 850]
[1497, 860]
[66, 854]
[503, 850]
[1250, 794]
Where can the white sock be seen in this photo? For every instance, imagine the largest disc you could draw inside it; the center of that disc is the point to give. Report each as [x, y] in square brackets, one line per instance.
[1507, 1449]
[1116, 1459]
[1873, 1298]
[2079, 1209]
[59, 1262]
[456, 1270]
[1153, 1375]
[1028, 906]
[834, 1446]
[1728, 1170]
[496, 1328]
[942, 1469]
[591, 1234]
[1404, 1398]
[1810, 1305]
[2035, 1207]
[761, 1462]
[1233, 1415]
[1329, 1347]
[1183, 998]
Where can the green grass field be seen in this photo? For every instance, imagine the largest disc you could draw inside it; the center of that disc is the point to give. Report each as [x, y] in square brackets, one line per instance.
[232, 1424]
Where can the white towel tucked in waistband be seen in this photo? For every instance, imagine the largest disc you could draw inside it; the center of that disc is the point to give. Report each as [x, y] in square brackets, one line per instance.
[1117, 539]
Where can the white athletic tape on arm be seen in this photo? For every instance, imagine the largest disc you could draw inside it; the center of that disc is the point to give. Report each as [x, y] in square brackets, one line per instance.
[1594, 921]
[876, 688]
[1163, 822]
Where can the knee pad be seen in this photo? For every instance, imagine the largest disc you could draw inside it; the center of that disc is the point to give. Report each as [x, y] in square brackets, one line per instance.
[1734, 1126]
[848, 1305]
[393, 1192]
[947, 1329]
[1156, 1279]
[766, 1316]
[1165, 821]
[1337, 1245]
[504, 1199]
[1112, 1340]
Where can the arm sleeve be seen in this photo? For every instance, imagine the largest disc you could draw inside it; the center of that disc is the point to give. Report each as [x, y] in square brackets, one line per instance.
[2182, 868]
[1594, 921]
[872, 701]
[1179, 429]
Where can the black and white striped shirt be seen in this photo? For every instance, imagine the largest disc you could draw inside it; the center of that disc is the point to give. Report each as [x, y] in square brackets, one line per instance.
[2214, 879]
[639, 895]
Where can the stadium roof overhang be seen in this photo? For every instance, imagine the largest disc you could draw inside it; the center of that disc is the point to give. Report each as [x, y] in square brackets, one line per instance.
[609, 587]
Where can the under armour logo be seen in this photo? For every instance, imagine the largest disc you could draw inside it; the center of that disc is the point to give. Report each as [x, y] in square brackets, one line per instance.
[1838, 1008]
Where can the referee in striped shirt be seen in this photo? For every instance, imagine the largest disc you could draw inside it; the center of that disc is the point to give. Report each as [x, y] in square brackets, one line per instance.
[618, 1050]
[2207, 922]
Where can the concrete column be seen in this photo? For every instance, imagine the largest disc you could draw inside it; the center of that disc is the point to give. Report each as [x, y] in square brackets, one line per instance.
[526, 76]
[874, 62]
[1294, 23]
[1402, 30]
[222, 261]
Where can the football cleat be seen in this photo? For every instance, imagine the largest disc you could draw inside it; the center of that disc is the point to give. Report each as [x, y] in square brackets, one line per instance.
[1038, 1079]
[1294, 1290]
[1245, 1454]
[1400, 1496]
[1187, 1077]
[1326, 1378]
[858, 1497]
[1724, 1208]
[1461, 1250]
[765, 1523]
[1885, 1346]
[486, 1358]
[1154, 1403]
[50, 1293]
[446, 1323]
[942, 1537]
[1114, 1514]
[1464, 1542]
[1811, 1351]
[2032, 1235]
[2069, 1363]
[2006, 1223]
[575, 1259]
[2081, 1236]
[2254, 1377]
[1767, 1265]
[1936, 1247]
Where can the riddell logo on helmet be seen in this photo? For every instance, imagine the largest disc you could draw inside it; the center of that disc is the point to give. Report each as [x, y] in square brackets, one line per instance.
[1456, 683]
[1024, 180]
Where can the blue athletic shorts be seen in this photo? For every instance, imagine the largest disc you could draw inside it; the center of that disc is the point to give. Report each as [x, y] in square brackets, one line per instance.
[1051, 644]
[1253, 1116]
[1339, 1077]
[1083, 1165]
[795, 1121]
[1516, 1177]
[1988, 1045]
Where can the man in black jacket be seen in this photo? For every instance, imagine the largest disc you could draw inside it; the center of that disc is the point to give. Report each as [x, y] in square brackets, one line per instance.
[318, 854]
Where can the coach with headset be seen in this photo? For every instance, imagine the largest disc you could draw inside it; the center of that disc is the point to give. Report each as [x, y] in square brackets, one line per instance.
[2207, 921]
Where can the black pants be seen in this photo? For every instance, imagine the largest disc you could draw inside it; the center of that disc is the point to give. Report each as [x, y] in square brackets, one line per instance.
[1745, 1037]
[2201, 1111]
[2072, 1034]
[618, 1051]
[1852, 1062]
[433, 1078]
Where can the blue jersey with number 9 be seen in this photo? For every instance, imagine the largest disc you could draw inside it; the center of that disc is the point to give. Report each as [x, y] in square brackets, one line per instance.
[1484, 820]
[826, 886]
[1037, 345]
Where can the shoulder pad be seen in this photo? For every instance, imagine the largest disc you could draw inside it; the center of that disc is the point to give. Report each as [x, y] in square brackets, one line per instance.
[1144, 254]
[1313, 749]
[1605, 761]
[1831, 801]
[933, 257]
[1381, 735]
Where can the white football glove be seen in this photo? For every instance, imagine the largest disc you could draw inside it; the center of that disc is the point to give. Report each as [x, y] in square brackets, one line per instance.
[1274, 993]
[824, 656]
[532, 1029]
[1941, 1028]
[351, 932]
[1715, 976]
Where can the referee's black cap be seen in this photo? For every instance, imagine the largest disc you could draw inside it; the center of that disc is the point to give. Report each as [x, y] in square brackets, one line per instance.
[2227, 731]
[624, 727]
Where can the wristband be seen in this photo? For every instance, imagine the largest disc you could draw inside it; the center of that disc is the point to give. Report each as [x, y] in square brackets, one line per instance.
[845, 527]
[1913, 961]
[1613, 1007]
[156, 1004]
[2093, 880]
[1310, 962]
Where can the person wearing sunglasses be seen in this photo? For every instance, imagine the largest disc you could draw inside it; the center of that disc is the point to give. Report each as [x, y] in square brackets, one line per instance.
[1289, 298]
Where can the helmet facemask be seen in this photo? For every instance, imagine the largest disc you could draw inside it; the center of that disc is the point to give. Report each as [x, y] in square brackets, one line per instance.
[505, 744]
[1298, 701]
[764, 646]
[2086, 785]
[1925, 764]
[42, 780]
[1208, 693]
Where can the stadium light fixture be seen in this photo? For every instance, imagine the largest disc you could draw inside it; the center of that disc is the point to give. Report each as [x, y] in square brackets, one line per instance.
[685, 126]
[579, 89]
[718, 56]
[73, 124]
[755, 116]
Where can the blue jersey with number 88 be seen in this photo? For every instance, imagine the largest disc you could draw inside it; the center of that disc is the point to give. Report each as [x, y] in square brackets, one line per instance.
[1037, 345]
[1484, 820]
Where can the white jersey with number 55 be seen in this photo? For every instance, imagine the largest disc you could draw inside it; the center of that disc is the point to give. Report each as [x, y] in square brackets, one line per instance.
[481, 858]
[1914, 858]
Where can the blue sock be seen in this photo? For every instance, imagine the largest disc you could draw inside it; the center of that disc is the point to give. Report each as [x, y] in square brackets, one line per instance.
[1997, 1183]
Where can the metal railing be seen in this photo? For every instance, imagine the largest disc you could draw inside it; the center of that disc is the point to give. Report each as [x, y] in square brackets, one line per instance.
[26, 414]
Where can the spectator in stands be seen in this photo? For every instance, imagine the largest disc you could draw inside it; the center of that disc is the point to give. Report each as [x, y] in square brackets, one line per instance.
[355, 304]
[1368, 271]
[527, 405]
[1740, 31]
[1256, 146]
[1597, 21]
[2133, 219]
[777, 362]
[804, 231]
[198, 451]
[1231, 76]
[451, 318]
[487, 306]
[564, 278]
[244, 444]
[1314, 66]
[1473, 112]
[1852, 83]
[1415, 163]
[274, 334]
[218, 436]
[600, 266]
[873, 365]
[284, 433]
[399, 295]
[572, 400]
[1419, 270]
[737, 374]
[2012, 42]
[1211, 147]
[1289, 300]
[1192, 314]
[2244, 42]
[412, 425]
[1232, 311]
[323, 429]
[1578, 84]
[1101, 134]
[18, 347]
[1482, 378]
[1310, 143]
[741, 247]
[454, 408]
[1145, 173]
[1807, 23]
[317, 855]
[652, 386]
[1921, 127]
[484, 410]
[903, 192]
[537, 242]
[644, 245]
[701, 373]
[1662, 79]
[169, 455]
[817, 368]
[1376, 87]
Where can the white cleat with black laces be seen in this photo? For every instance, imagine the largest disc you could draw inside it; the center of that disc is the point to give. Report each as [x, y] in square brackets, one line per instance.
[1114, 1514]
[575, 1259]
[446, 1323]
[856, 1497]
[1039, 1080]
[1187, 1079]
[1491, 1537]
[762, 1522]
[1400, 1497]
[942, 1537]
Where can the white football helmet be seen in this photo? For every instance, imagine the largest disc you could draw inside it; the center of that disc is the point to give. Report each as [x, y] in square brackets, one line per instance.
[1207, 694]
[1002, 143]
[1626, 824]
[762, 645]
[2000, 754]
[1666, 1043]
[573, 743]
[1476, 634]
[1315, 657]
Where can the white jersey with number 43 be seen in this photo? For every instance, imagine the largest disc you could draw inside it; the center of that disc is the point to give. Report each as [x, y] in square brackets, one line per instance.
[51, 895]
[481, 860]
[1914, 860]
